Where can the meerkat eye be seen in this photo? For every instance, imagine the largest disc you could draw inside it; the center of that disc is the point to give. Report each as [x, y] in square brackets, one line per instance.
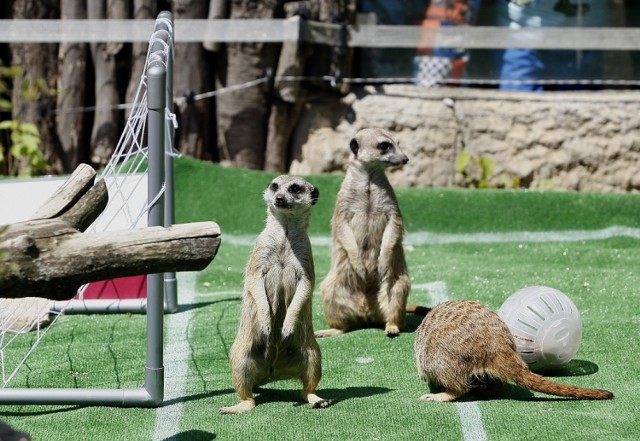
[295, 189]
[273, 186]
[384, 146]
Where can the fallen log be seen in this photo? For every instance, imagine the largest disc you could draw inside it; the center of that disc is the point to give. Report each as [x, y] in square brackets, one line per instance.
[49, 255]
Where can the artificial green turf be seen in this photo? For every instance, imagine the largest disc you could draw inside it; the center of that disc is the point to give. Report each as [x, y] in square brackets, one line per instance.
[232, 198]
[371, 379]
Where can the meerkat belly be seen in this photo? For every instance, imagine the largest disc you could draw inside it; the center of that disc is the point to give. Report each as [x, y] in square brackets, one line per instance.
[368, 229]
[281, 280]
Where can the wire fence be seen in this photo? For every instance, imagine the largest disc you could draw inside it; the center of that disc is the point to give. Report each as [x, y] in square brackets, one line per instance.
[334, 80]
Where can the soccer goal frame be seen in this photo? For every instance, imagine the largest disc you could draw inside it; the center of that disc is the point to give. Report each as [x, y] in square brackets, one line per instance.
[160, 181]
[159, 76]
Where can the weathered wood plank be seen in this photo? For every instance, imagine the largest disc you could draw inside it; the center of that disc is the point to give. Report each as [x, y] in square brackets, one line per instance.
[80, 181]
[48, 256]
[54, 261]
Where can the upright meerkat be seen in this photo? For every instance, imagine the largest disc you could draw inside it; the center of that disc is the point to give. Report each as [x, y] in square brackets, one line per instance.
[368, 282]
[460, 342]
[275, 337]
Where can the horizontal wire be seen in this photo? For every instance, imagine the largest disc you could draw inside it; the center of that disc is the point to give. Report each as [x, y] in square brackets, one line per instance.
[333, 80]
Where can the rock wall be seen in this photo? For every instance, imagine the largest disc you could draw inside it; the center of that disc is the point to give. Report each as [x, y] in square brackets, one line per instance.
[587, 141]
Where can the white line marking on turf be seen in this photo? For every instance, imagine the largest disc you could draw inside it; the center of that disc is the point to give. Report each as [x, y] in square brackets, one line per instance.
[469, 412]
[426, 238]
[176, 361]
[430, 238]
[471, 420]
[437, 291]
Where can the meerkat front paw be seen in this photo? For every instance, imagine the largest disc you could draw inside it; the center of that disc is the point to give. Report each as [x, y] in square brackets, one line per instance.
[315, 401]
[392, 331]
[241, 407]
[322, 404]
[383, 270]
[361, 272]
[442, 397]
[328, 332]
[287, 331]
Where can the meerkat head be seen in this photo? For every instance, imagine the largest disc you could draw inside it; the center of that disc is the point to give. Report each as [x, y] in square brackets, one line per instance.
[290, 194]
[377, 147]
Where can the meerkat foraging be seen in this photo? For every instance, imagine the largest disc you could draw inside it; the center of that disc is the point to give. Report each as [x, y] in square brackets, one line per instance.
[275, 337]
[461, 342]
[368, 282]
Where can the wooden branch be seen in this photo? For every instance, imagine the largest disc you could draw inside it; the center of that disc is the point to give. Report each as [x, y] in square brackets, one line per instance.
[53, 261]
[49, 257]
[68, 194]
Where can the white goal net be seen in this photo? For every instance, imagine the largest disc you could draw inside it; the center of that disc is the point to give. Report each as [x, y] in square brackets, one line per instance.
[127, 179]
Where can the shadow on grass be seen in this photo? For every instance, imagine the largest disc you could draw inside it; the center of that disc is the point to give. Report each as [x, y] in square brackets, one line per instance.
[335, 395]
[575, 368]
[517, 393]
[195, 397]
[513, 392]
[40, 412]
[192, 435]
[194, 306]
[412, 322]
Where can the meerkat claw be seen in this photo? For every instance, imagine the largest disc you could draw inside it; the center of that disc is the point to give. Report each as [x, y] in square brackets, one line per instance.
[322, 404]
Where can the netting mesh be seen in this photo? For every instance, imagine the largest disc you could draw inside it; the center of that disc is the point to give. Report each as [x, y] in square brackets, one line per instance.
[126, 179]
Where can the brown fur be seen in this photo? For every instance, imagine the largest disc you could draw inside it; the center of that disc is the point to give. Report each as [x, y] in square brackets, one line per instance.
[275, 337]
[368, 282]
[460, 342]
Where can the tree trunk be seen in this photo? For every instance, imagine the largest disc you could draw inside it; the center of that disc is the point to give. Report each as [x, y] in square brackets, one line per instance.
[142, 9]
[242, 115]
[72, 61]
[190, 79]
[32, 96]
[106, 122]
[287, 101]
[49, 257]
[290, 95]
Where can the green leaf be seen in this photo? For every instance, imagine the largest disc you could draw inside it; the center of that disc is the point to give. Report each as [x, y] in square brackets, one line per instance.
[8, 125]
[30, 128]
[462, 161]
[5, 105]
[487, 164]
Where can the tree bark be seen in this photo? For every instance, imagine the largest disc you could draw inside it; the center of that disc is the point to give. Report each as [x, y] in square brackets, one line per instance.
[287, 101]
[242, 115]
[191, 78]
[106, 122]
[32, 97]
[72, 61]
[142, 9]
[48, 256]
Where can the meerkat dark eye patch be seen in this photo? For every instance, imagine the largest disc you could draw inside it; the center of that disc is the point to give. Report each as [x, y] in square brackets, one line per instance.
[385, 146]
[295, 189]
[315, 194]
[273, 186]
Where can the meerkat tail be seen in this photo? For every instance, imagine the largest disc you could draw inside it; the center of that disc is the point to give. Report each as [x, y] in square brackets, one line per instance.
[532, 381]
[417, 309]
[328, 332]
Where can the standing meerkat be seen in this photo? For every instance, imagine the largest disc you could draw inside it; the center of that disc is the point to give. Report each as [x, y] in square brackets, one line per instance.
[368, 282]
[275, 337]
[460, 342]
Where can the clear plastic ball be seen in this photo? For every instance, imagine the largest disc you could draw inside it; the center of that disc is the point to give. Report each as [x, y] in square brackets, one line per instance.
[546, 325]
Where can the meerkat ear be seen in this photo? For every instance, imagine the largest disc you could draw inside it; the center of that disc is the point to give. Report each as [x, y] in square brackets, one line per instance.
[315, 194]
[354, 146]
